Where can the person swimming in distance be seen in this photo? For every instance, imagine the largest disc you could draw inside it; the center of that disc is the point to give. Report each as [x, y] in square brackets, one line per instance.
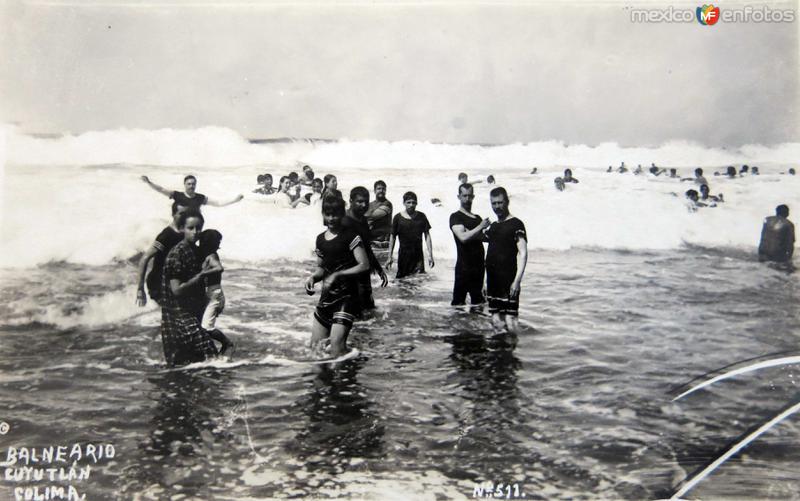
[266, 188]
[568, 177]
[315, 196]
[308, 176]
[610, 169]
[638, 170]
[731, 172]
[559, 184]
[622, 169]
[777, 237]
[707, 197]
[693, 200]
[744, 171]
[535, 170]
[285, 198]
[791, 171]
[656, 171]
[698, 177]
[754, 171]
[190, 198]
[331, 183]
[464, 179]
[673, 173]
[490, 179]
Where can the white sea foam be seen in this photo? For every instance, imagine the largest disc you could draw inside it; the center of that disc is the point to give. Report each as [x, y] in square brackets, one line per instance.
[79, 199]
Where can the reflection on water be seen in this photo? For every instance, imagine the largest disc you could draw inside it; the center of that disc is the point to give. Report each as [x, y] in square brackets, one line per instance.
[577, 408]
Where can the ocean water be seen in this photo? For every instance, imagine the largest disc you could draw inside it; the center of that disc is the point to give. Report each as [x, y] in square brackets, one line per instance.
[627, 295]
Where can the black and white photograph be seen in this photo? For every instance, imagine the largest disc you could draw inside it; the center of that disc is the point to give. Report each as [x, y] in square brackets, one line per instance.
[399, 250]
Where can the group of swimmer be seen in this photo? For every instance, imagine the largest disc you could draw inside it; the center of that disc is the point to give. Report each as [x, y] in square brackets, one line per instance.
[185, 278]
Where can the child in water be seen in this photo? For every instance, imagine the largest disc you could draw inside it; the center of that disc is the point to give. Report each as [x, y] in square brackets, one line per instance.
[409, 227]
[341, 257]
[209, 245]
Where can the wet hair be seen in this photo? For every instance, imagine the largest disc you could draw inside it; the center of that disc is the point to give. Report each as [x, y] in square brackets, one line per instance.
[209, 242]
[698, 171]
[379, 182]
[465, 186]
[333, 205]
[490, 179]
[409, 195]
[782, 210]
[188, 178]
[754, 170]
[745, 168]
[175, 206]
[260, 178]
[499, 191]
[359, 191]
[189, 213]
[731, 171]
[792, 171]
[673, 171]
[569, 171]
[328, 178]
[692, 194]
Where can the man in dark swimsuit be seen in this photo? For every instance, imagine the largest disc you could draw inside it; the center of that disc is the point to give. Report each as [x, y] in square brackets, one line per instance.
[467, 231]
[777, 237]
[379, 216]
[189, 198]
[164, 242]
[355, 220]
[505, 262]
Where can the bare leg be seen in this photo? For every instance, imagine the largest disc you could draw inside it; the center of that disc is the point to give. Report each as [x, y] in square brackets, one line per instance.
[512, 323]
[497, 321]
[339, 334]
[319, 333]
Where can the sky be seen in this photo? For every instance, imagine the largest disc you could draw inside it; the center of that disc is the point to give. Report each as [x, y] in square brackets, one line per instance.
[454, 72]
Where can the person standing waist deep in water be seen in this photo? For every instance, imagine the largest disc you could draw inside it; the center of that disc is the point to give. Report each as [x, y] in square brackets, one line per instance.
[379, 216]
[190, 198]
[505, 262]
[184, 298]
[777, 237]
[467, 231]
[410, 226]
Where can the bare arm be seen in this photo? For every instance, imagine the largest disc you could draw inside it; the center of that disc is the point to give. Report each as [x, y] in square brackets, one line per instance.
[141, 297]
[179, 289]
[429, 244]
[212, 264]
[378, 213]
[464, 235]
[232, 201]
[362, 265]
[319, 274]
[391, 252]
[156, 187]
[522, 260]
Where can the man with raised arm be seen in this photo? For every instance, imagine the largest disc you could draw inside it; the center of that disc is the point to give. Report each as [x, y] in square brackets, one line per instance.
[505, 262]
[467, 231]
[190, 198]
